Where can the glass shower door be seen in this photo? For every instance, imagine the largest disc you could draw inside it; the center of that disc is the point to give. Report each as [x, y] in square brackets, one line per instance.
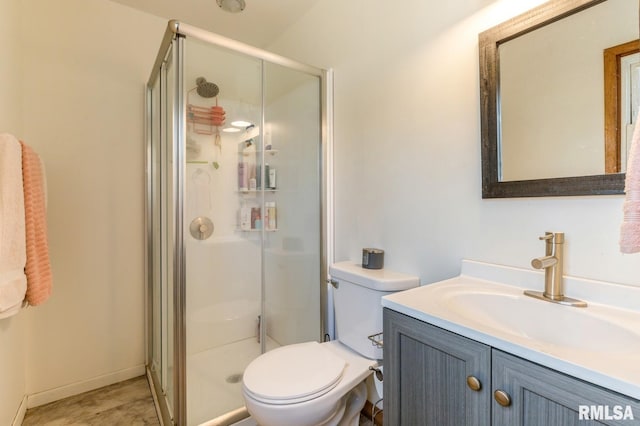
[223, 264]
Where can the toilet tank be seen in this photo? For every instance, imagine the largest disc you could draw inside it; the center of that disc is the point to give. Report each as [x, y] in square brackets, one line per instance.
[357, 295]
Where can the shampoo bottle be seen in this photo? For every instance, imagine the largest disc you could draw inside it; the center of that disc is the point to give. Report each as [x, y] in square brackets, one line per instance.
[245, 218]
[266, 176]
[271, 212]
[243, 176]
[272, 178]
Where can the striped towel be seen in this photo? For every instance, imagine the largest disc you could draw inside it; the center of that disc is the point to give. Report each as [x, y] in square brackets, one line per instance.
[38, 267]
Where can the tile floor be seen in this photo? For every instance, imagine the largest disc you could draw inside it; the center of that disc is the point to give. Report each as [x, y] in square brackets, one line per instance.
[365, 421]
[127, 403]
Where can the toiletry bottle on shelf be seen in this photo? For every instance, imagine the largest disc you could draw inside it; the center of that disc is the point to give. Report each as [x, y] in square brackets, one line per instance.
[253, 183]
[256, 220]
[266, 175]
[243, 174]
[245, 218]
[272, 215]
[272, 178]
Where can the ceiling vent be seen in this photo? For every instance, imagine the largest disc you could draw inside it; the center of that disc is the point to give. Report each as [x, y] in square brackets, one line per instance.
[233, 6]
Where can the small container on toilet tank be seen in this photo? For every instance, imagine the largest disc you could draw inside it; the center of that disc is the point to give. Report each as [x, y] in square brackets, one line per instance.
[372, 258]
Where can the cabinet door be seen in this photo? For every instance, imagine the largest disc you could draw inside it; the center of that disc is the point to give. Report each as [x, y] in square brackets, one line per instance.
[543, 397]
[425, 375]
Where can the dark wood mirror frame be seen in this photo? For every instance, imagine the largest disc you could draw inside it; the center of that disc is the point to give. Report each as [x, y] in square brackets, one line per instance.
[489, 41]
[612, 102]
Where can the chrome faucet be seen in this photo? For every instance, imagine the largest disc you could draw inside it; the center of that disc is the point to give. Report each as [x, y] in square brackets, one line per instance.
[553, 264]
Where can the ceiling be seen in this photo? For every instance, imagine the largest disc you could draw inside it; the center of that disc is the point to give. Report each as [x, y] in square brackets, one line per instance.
[259, 24]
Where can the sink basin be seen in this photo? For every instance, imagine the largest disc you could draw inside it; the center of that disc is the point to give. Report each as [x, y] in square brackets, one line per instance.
[599, 343]
[595, 329]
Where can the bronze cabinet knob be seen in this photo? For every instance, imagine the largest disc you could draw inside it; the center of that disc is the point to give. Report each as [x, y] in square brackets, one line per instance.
[502, 398]
[473, 383]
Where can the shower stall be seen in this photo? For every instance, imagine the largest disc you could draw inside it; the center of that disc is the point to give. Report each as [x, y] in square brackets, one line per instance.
[238, 148]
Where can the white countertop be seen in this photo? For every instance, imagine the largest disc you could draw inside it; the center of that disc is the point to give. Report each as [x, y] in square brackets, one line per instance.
[615, 366]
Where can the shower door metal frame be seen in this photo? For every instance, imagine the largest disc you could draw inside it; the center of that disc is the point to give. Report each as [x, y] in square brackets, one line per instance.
[174, 39]
[172, 44]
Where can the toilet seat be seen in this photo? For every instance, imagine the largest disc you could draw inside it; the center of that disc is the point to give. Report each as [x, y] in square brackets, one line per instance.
[292, 374]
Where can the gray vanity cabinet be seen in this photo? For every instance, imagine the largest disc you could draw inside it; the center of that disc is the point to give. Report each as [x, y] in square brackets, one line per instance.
[428, 381]
[544, 397]
[425, 376]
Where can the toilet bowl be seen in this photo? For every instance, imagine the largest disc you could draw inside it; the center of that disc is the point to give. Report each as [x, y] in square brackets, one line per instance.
[322, 384]
[307, 384]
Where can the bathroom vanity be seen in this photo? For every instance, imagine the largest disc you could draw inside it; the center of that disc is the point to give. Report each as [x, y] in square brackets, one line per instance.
[474, 351]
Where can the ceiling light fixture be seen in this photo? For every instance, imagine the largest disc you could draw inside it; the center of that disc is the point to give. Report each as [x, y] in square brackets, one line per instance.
[241, 123]
[233, 6]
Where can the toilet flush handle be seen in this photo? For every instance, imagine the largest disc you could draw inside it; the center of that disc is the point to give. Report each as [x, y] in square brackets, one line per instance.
[333, 282]
[377, 372]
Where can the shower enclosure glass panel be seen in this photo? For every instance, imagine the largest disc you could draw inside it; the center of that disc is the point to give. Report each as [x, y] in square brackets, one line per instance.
[153, 223]
[292, 254]
[160, 252]
[168, 181]
[223, 271]
[253, 284]
[235, 171]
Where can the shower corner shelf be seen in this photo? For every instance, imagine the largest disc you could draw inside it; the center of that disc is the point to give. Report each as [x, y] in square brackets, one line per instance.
[376, 340]
[254, 191]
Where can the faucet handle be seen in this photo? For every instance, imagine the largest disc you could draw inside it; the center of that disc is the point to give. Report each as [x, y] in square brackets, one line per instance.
[553, 237]
[548, 243]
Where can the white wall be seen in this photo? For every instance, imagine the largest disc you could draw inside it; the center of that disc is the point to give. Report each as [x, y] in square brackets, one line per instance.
[12, 330]
[407, 145]
[85, 65]
[10, 66]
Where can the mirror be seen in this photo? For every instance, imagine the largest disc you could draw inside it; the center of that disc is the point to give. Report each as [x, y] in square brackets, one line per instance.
[556, 115]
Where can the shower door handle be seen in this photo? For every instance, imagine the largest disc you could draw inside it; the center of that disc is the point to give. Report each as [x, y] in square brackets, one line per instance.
[258, 328]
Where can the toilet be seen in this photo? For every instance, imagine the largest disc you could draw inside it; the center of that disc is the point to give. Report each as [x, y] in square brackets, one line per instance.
[323, 384]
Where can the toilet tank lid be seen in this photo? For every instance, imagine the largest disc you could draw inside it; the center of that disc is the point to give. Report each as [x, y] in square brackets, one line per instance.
[375, 279]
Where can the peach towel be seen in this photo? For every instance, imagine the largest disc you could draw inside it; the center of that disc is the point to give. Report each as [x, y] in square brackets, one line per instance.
[630, 229]
[13, 282]
[38, 267]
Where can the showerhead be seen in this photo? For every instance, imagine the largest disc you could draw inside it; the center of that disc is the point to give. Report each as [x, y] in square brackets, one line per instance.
[206, 89]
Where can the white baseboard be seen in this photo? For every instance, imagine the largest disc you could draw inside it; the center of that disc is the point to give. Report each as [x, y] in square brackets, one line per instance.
[22, 410]
[45, 397]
